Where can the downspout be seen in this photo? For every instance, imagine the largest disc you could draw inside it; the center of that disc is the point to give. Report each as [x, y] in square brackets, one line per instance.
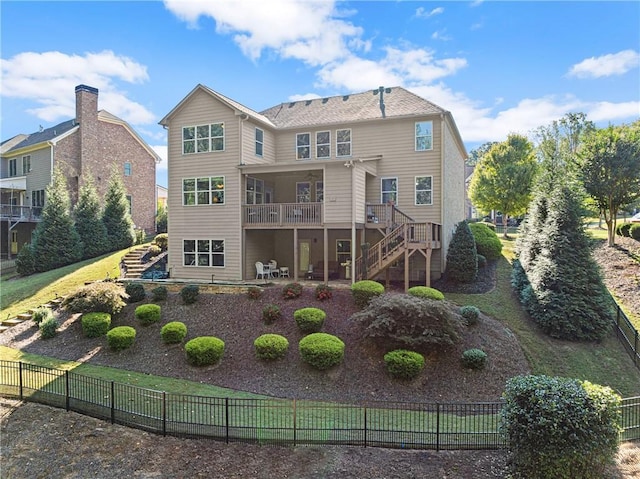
[443, 256]
[243, 260]
[353, 221]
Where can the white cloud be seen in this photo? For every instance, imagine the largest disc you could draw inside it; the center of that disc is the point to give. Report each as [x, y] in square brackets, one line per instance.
[441, 35]
[606, 65]
[305, 96]
[422, 13]
[49, 80]
[161, 150]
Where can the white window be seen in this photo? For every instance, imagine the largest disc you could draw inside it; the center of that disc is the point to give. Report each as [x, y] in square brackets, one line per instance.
[424, 135]
[127, 169]
[319, 191]
[323, 144]
[26, 164]
[303, 192]
[203, 191]
[255, 191]
[203, 138]
[424, 190]
[37, 198]
[13, 167]
[343, 142]
[303, 146]
[259, 142]
[203, 252]
[343, 250]
[389, 190]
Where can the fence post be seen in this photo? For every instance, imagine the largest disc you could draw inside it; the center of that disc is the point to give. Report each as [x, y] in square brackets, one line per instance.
[20, 379]
[164, 413]
[66, 390]
[635, 350]
[437, 426]
[295, 425]
[365, 426]
[113, 403]
[226, 418]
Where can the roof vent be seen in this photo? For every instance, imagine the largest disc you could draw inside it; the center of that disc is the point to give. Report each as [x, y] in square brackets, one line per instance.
[325, 100]
[292, 104]
[307, 103]
[345, 98]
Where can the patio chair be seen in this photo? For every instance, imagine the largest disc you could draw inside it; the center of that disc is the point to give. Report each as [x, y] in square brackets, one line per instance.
[262, 271]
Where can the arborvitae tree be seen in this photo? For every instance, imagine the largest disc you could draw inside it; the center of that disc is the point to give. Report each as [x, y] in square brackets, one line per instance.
[89, 224]
[116, 216]
[567, 297]
[531, 231]
[26, 261]
[462, 257]
[56, 242]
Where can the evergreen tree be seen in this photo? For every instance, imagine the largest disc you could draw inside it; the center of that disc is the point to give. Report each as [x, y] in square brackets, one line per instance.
[89, 225]
[25, 261]
[531, 231]
[161, 219]
[567, 297]
[462, 257]
[56, 242]
[116, 216]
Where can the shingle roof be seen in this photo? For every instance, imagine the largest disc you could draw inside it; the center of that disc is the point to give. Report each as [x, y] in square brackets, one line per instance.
[44, 135]
[348, 108]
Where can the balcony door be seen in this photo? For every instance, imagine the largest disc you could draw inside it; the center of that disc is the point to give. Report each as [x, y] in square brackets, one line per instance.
[304, 254]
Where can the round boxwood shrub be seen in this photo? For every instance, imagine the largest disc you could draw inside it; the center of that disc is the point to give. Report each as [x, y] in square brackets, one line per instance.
[136, 292]
[426, 293]
[48, 328]
[309, 320]
[40, 314]
[487, 242]
[271, 313]
[121, 337]
[404, 364]
[148, 314]
[173, 332]
[95, 325]
[204, 350]
[474, 358]
[622, 229]
[321, 350]
[190, 294]
[363, 291]
[634, 232]
[471, 314]
[271, 346]
[159, 294]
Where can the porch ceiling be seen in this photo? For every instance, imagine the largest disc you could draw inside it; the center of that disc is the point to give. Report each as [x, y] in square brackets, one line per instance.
[14, 183]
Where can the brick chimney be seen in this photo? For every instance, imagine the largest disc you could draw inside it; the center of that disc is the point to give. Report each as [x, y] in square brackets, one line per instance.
[87, 117]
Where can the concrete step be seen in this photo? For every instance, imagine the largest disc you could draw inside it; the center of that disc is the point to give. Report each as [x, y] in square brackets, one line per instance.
[12, 322]
[23, 316]
[3, 328]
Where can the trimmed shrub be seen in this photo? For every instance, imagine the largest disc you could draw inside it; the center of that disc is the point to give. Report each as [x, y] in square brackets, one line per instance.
[324, 291]
[162, 240]
[482, 261]
[95, 325]
[254, 292]
[40, 314]
[487, 242]
[622, 229]
[204, 350]
[26, 260]
[321, 350]
[474, 358]
[173, 332]
[462, 257]
[404, 364]
[271, 313]
[634, 232]
[159, 294]
[136, 292]
[148, 314]
[309, 320]
[103, 297]
[48, 328]
[292, 291]
[471, 314]
[488, 224]
[364, 291]
[426, 293]
[559, 427]
[153, 251]
[271, 346]
[190, 294]
[121, 337]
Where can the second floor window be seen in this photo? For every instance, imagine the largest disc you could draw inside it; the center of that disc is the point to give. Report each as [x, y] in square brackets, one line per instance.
[424, 190]
[255, 191]
[127, 169]
[13, 167]
[203, 191]
[259, 142]
[343, 142]
[389, 190]
[424, 135]
[303, 192]
[303, 146]
[37, 198]
[323, 144]
[203, 138]
[26, 164]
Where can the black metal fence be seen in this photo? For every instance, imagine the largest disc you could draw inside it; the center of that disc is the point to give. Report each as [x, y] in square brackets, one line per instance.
[273, 421]
[627, 333]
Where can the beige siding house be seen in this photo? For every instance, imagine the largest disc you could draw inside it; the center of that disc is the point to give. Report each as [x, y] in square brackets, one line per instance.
[89, 145]
[347, 187]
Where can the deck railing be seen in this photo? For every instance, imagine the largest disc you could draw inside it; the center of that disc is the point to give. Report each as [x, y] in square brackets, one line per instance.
[279, 214]
[20, 213]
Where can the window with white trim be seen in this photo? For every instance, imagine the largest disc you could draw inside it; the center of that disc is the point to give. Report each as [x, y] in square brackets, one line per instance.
[13, 167]
[319, 191]
[127, 169]
[389, 190]
[343, 142]
[303, 146]
[343, 250]
[259, 142]
[323, 144]
[203, 138]
[254, 191]
[26, 164]
[424, 135]
[303, 192]
[424, 190]
[203, 252]
[203, 191]
[37, 198]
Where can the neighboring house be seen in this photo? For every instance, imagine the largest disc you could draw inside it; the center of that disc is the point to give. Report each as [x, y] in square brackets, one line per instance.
[88, 145]
[161, 195]
[313, 184]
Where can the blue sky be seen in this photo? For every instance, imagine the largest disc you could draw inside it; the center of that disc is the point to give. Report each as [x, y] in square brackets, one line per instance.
[499, 67]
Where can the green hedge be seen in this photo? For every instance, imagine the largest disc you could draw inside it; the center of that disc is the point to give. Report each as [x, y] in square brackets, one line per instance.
[426, 293]
[271, 346]
[121, 337]
[173, 332]
[48, 328]
[321, 350]
[309, 320]
[148, 314]
[487, 242]
[136, 292]
[204, 350]
[190, 294]
[471, 314]
[364, 291]
[95, 324]
[474, 359]
[404, 364]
